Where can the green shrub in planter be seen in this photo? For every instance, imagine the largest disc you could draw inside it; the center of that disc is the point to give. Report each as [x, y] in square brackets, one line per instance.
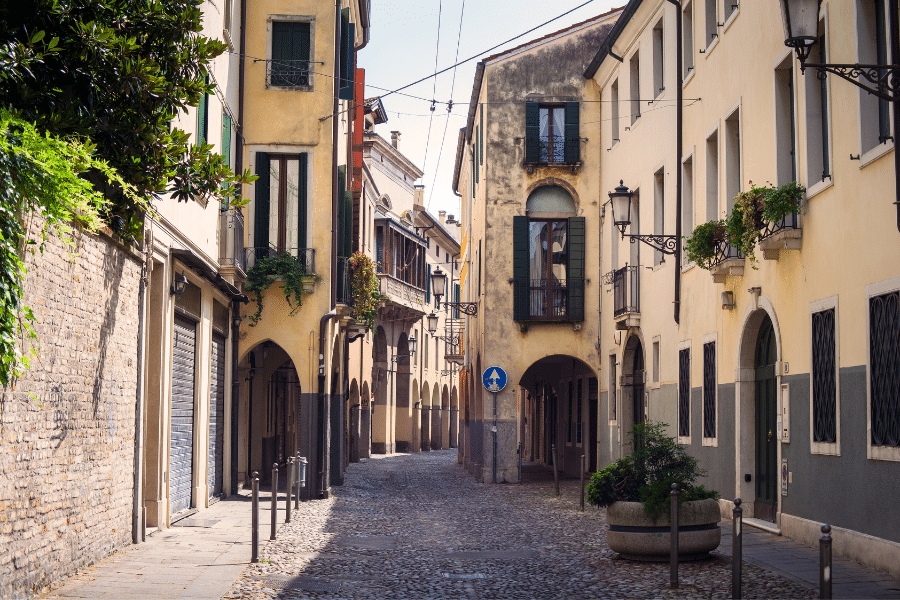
[700, 248]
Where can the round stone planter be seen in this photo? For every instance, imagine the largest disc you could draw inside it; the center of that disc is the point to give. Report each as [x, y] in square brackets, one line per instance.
[635, 536]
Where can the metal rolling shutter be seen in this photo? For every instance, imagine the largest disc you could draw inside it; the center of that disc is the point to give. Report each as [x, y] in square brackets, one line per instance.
[181, 440]
[216, 414]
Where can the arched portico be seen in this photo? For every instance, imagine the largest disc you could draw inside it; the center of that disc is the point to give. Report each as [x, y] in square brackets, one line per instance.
[437, 417]
[415, 417]
[633, 408]
[354, 410]
[382, 418]
[424, 439]
[365, 422]
[402, 431]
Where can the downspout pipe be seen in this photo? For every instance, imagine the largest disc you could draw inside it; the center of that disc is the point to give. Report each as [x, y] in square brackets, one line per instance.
[137, 517]
[335, 193]
[323, 421]
[239, 154]
[679, 114]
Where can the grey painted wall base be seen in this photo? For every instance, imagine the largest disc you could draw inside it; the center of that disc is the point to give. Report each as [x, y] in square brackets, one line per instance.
[866, 549]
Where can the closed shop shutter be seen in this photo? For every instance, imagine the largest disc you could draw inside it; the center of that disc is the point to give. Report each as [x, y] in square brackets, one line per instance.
[216, 415]
[181, 439]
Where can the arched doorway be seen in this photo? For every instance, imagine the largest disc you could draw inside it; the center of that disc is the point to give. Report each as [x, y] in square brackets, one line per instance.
[562, 389]
[402, 431]
[634, 398]
[354, 434]
[381, 417]
[415, 417]
[450, 422]
[766, 356]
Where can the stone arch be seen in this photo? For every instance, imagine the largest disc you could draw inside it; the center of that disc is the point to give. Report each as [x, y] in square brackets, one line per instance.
[437, 418]
[424, 430]
[745, 394]
[415, 416]
[402, 433]
[382, 440]
[452, 424]
[354, 412]
[365, 421]
[633, 407]
[557, 182]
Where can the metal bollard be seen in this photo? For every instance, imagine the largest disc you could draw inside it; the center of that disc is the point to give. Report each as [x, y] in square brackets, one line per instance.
[825, 562]
[297, 481]
[302, 483]
[673, 558]
[555, 470]
[274, 515]
[290, 489]
[254, 519]
[737, 523]
[582, 483]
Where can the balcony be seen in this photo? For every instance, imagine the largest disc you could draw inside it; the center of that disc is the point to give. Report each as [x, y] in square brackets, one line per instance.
[783, 235]
[287, 73]
[729, 260]
[626, 284]
[306, 257]
[404, 300]
[231, 242]
[401, 270]
[342, 277]
[548, 299]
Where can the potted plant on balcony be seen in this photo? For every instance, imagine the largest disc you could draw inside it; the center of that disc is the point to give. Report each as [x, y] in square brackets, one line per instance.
[364, 293]
[636, 489]
[700, 248]
[296, 280]
[782, 201]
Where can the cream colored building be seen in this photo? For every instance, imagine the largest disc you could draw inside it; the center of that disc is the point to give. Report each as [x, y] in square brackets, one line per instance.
[530, 196]
[767, 373]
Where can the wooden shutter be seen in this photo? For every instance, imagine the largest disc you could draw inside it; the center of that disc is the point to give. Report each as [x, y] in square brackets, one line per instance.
[532, 132]
[301, 202]
[481, 136]
[342, 188]
[261, 220]
[573, 138]
[456, 299]
[347, 68]
[347, 222]
[202, 118]
[290, 47]
[226, 138]
[427, 284]
[521, 264]
[575, 268]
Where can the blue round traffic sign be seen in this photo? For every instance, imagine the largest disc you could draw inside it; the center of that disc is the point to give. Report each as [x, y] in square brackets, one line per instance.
[494, 379]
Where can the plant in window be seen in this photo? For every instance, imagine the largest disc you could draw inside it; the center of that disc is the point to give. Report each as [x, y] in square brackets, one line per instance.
[703, 242]
[282, 267]
[755, 208]
[364, 293]
[782, 201]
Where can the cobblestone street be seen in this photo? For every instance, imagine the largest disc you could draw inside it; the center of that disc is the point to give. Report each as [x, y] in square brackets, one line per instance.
[418, 526]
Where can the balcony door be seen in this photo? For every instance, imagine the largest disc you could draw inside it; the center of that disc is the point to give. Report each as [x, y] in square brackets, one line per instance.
[281, 202]
[549, 258]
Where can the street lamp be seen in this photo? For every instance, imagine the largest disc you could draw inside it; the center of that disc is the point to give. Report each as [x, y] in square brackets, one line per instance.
[621, 209]
[439, 288]
[432, 323]
[411, 344]
[179, 285]
[801, 27]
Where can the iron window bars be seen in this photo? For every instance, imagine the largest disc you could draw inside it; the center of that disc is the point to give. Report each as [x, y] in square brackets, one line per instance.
[884, 365]
[823, 376]
[684, 392]
[709, 390]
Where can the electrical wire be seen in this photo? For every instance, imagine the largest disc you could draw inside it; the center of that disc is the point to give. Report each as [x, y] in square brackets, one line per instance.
[437, 49]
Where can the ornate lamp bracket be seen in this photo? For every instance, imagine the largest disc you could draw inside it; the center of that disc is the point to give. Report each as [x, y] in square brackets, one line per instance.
[667, 244]
[884, 80]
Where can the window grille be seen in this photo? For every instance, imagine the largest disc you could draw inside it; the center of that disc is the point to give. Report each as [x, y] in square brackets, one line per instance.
[684, 393]
[824, 388]
[709, 390]
[884, 368]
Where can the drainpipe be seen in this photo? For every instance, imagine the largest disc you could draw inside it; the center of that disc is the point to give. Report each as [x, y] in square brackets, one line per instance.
[323, 420]
[137, 517]
[679, 113]
[239, 154]
[235, 391]
[895, 60]
[334, 153]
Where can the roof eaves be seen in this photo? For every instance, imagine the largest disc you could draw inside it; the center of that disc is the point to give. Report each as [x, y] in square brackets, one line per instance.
[460, 148]
[611, 39]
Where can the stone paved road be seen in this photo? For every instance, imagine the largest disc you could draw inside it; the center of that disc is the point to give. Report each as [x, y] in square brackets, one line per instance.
[418, 526]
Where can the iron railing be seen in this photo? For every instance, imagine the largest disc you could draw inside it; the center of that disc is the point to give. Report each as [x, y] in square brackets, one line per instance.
[626, 290]
[287, 73]
[548, 299]
[553, 149]
[884, 373]
[770, 228]
[344, 294]
[231, 239]
[305, 256]
[709, 390]
[684, 392]
[823, 376]
[725, 252]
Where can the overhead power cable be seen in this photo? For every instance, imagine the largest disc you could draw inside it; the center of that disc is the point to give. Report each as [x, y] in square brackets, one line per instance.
[437, 49]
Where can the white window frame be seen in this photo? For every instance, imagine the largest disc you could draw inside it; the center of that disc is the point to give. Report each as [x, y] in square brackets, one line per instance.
[868, 157]
[311, 19]
[876, 452]
[827, 448]
[691, 206]
[251, 193]
[819, 185]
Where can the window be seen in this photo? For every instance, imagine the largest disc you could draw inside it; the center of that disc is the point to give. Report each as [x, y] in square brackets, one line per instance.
[818, 166]
[611, 395]
[687, 201]
[884, 369]
[656, 360]
[785, 121]
[552, 133]
[687, 33]
[548, 258]
[709, 390]
[658, 60]
[732, 157]
[712, 25]
[659, 211]
[203, 117]
[730, 7]
[712, 177]
[569, 413]
[824, 389]
[614, 104]
[347, 68]
[280, 203]
[635, 80]
[290, 54]
[684, 393]
[425, 354]
[401, 254]
[872, 36]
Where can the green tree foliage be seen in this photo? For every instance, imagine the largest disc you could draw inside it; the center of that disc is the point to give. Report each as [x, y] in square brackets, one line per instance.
[117, 72]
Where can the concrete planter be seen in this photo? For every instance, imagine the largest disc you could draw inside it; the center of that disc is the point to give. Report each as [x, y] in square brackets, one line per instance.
[635, 536]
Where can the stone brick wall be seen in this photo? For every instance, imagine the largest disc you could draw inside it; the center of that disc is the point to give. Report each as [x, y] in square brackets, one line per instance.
[67, 454]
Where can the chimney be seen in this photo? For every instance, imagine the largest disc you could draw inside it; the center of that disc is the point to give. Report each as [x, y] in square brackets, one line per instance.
[395, 137]
[442, 215]
[419, 195]
[451, 219]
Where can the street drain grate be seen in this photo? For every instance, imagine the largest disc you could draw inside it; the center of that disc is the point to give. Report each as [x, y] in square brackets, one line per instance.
[463, 575]
[370, 542]
[305, 584]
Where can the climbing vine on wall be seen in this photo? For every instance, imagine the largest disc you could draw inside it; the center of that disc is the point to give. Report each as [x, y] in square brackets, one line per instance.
[364, 289]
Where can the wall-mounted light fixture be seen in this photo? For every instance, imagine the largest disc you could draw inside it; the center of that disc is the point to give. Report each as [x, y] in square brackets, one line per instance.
[439, 288]
[179, 285]
[727, 300]
[621, 210]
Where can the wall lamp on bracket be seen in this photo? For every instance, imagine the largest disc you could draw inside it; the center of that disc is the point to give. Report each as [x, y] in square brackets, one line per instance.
[178, 285]
[411, 344]
[439, 289]
[621, 210]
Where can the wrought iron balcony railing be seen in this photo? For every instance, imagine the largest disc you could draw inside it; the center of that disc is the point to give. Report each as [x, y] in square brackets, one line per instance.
[549, 298]
[305, 256]
[726, 252]
[553, 148]
[287, 73]
[626, 290]
[344, 294]
[231, 239]
[791, 221]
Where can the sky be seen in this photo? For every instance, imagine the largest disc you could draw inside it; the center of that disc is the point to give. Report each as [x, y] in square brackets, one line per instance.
[406, 43]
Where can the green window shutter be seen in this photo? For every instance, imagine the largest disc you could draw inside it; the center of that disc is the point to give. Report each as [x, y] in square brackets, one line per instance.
[575, 268]
[290, 48]
[347, 239]
[203, 118]
[427, 284]
[573, 137]
[301, 202]
[456, 299]
[345, 71]
[261, 220]
[532, 132]
[341, 224]
[481, 137]
[521, 269]
[226, 138]
[475, 149]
